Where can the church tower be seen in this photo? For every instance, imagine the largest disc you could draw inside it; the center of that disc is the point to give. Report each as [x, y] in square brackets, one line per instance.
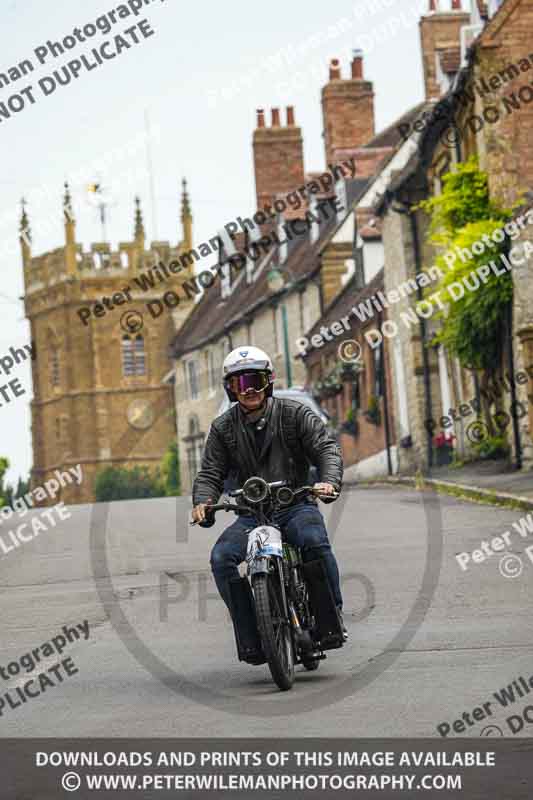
[102, 322]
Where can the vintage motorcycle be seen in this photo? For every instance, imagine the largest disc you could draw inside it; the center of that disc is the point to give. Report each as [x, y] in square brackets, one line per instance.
[283, 610]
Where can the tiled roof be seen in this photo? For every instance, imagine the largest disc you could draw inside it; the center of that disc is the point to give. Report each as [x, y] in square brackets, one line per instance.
[341, 307]
[391, 136]
[213, 316]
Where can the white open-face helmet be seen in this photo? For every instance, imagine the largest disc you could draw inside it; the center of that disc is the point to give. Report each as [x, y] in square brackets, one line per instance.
[244, 362]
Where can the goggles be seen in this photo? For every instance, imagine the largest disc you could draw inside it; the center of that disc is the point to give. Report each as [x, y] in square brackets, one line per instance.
[249, 382]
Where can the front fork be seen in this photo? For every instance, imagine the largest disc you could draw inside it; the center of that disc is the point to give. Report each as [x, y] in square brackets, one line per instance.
[301, 639]
[262, 565]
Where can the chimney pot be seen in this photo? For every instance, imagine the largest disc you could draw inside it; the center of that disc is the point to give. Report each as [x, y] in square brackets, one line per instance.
[290, 115]
[357, 64]
[456, 5]
[334, 69]
[260, 118]
[275, 118]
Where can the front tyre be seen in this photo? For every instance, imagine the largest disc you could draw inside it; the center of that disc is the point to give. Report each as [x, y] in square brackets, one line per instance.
[274, 630]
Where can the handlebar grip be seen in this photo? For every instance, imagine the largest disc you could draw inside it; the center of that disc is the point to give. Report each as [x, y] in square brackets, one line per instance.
[328, 498]
[209, 517]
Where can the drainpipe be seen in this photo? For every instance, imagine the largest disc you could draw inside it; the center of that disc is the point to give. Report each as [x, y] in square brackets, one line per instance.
[383, 379]
[510, 355]
[425, 355]
[423, 332]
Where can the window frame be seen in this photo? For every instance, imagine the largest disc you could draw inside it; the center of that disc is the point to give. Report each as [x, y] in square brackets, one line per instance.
[133, 356]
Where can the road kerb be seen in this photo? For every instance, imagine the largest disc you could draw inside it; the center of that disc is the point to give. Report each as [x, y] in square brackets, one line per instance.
[475, 493]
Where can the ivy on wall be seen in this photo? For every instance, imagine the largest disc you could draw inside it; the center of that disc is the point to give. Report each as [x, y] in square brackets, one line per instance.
[472, 327]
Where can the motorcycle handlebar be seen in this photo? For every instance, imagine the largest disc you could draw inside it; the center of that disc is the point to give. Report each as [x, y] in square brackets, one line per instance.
[212, 509]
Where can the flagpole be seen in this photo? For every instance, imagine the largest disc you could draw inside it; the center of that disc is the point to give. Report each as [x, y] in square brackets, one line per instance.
[103, 221]
[150, 174]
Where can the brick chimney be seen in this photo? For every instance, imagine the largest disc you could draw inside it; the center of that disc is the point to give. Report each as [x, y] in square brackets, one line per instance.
[278, 156]
[347, 108]
[439, 30]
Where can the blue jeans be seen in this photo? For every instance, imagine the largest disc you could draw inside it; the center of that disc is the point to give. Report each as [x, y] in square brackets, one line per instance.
[302, 525]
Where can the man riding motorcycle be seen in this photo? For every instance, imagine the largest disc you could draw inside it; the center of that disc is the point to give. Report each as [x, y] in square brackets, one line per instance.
[271, 438]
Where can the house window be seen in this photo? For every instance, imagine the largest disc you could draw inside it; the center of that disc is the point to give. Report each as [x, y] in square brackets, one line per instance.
[54, 366]
[185, 382]
[342, 200]
[358, 258]
[356, 392]
[192, 379]
[195, 446]
[133, 356]
[212, 377]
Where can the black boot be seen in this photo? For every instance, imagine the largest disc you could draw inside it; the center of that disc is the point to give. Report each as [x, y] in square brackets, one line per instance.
[343, 626]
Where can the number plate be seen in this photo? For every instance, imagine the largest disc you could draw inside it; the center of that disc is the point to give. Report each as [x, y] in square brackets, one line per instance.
[264, 541]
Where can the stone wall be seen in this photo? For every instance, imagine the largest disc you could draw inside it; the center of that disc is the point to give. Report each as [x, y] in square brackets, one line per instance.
[405, 345]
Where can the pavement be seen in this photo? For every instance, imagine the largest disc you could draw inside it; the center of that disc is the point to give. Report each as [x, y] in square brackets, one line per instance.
[428, 640]
[493, 480]
[498, 476]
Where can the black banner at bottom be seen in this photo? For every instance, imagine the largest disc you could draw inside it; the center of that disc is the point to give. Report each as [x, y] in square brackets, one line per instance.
[477, 769]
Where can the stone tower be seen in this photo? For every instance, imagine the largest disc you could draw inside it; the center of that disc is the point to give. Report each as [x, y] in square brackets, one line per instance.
[101, 330]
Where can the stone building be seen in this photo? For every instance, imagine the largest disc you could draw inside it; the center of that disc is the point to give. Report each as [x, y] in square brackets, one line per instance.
[358, 398]
[274, 300]
[502, 116]
[315, 268]
[99, 396]
[478, 113]
[352, 380]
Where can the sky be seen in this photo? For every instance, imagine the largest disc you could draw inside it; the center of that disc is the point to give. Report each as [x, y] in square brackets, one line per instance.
[194, 85]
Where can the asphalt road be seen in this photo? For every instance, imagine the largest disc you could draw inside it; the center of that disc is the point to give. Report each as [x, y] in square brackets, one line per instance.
[428, 641]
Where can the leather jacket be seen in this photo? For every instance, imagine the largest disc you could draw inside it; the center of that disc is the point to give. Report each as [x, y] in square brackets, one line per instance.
[295, 438]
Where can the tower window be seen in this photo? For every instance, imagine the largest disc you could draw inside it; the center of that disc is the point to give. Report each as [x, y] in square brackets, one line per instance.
[133, 356]
[54, 366]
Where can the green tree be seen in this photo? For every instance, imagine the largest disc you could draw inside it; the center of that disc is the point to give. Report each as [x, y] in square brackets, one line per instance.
[23, 487]
[170, 471]
[4, 490]
[120, 483]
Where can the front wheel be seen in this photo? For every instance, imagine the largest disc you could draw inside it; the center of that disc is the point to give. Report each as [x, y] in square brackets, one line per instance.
[274, 630]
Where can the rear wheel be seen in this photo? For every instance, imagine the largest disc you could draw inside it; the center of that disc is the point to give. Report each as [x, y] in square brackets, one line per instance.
[274, 630]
